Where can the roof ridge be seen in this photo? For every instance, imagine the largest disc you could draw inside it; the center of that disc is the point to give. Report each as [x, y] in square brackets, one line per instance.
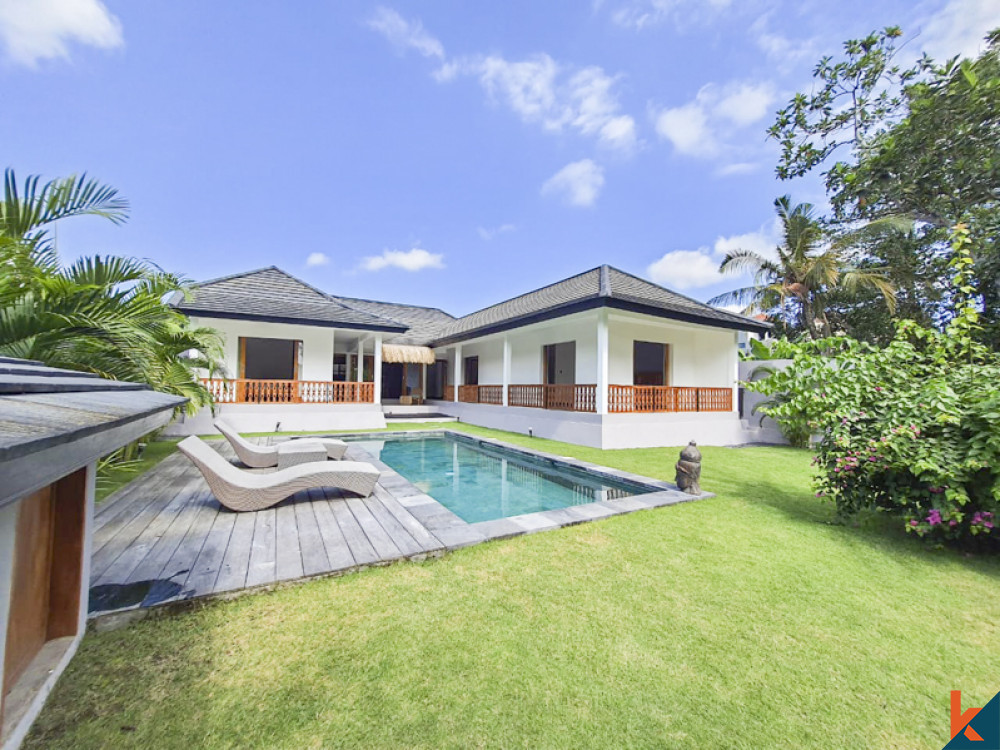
[605, 286]
[393, 304]
[533, 291]
[682, 296]
[232, 276]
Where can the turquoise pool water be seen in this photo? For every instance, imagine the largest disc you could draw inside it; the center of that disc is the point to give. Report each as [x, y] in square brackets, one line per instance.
[481, 483]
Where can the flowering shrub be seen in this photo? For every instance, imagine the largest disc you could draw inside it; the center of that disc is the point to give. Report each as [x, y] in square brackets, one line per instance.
[912, 429]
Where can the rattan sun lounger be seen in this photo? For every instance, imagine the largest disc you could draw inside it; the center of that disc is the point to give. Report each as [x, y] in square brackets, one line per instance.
[239, 489]
[266, 456]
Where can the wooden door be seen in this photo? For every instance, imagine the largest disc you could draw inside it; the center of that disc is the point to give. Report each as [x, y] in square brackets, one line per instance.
[28, 625]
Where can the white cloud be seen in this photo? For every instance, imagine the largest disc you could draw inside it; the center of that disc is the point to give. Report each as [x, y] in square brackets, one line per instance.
[737, 168]
[34, 30]
[762, 241]
[405, 34]
[781, 51]
[540, 90]
[959, 27]
[578, 183]
[706, 126]
[638, 14]
[317, 259]
[490, 233]
[685, 269]
[692, 269]
[687, 128]
[416, 259]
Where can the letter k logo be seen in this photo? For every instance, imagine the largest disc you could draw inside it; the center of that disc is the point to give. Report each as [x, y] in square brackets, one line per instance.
[960, 720]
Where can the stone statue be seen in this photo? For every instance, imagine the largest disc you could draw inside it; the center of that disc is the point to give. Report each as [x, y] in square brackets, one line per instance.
[689, 470]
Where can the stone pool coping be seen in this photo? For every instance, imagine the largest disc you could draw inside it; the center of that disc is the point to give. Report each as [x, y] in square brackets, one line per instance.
[454, 532]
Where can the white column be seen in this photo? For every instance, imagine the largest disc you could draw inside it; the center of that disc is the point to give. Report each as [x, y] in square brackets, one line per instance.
[378, 368]
[333, 352]
[459, 370]
[602, 361]
[506, 370]
[361, 359]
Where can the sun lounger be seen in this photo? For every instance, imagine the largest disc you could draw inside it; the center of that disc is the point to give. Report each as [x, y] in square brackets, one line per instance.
[242, 490]
[266, 456]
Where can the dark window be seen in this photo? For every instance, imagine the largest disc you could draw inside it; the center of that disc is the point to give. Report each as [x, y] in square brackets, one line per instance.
[269, 359]
[340, 367]
[560, 363]
[471, 365]
[649, 364]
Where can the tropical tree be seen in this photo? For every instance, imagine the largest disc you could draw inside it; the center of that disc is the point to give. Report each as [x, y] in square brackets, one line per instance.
[808, 265]
[104, 315]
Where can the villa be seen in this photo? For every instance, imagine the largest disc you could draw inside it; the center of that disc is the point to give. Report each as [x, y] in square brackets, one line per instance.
[603, 359]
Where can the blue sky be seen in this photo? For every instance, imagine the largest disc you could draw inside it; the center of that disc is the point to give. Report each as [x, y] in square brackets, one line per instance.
[444, 153]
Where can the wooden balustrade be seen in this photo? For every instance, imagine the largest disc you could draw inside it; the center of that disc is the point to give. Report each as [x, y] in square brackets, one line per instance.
[572, 397]
[449, 393]
[246, 391]
[623, 399]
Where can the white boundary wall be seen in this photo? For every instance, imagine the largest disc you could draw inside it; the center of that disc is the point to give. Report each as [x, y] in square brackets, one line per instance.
[292, 418]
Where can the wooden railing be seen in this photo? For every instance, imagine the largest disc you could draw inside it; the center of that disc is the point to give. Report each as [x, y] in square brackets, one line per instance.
[481, 394]
[573, 397]
[245, 391]
[449, 393]
[658, 398]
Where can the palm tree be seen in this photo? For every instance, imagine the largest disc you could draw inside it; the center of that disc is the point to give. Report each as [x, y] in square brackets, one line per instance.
[806, 266]
[104, 315]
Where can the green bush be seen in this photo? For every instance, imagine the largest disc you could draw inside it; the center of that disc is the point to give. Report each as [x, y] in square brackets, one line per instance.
[912, 429]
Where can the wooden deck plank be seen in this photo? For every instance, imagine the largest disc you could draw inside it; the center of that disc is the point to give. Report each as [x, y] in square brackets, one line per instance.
[417, 530]
[206, 567]
[153, 564]
[235, 564]
[182, 561]
[288, 556]
[361, 549]
[314, 558]
[159, 488]
[396, 531]
[378, 536]
[121, 568]
[263, 568]
[118, 501]
[337, 550]
[122, 535]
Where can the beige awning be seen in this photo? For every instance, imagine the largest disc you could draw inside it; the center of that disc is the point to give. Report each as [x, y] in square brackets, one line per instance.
[420, 355]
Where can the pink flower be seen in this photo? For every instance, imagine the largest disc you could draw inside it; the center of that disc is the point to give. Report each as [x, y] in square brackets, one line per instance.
[913, 523]
[953, 522]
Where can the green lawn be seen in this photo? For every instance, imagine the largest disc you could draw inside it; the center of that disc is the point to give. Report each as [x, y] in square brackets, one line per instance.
[744, 621]
[117, 477]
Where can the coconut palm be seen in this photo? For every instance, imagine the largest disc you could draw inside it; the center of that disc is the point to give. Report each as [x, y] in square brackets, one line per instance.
[104, 315]
[806, 265]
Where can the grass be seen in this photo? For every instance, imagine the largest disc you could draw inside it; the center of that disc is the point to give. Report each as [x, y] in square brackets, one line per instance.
[744, 621]
[116, 477]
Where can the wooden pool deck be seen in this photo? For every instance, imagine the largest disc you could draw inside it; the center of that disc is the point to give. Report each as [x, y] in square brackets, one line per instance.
[164, 537]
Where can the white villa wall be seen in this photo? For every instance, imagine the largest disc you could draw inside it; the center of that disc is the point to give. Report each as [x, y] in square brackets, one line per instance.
[699, 356]
[317, 343]
[292, 418]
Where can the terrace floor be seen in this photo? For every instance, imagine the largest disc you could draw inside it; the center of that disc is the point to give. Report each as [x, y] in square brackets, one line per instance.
[165, 538]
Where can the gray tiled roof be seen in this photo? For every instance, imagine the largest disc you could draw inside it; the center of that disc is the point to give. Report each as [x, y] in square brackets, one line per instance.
[594, 288]
[42, 406]
[424, 323]
[271, 294]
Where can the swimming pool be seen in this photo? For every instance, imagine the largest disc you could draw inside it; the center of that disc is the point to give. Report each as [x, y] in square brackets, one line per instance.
[481, 482]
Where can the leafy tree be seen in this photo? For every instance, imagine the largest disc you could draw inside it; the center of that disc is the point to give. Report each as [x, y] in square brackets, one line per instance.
[918, 141]
[807, 267]
[912, 429]
[104, 315]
